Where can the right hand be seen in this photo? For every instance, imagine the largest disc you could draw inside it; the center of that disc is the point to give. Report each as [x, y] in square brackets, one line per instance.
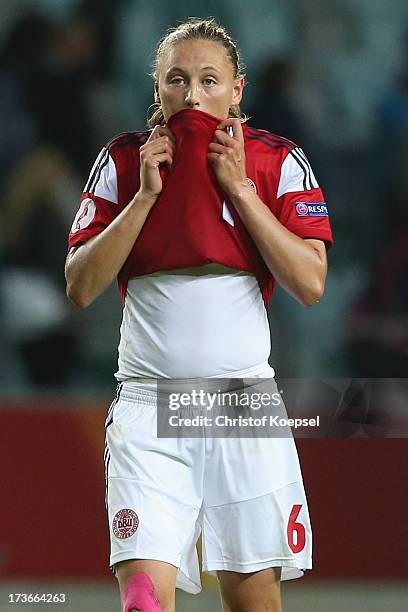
[158, 149]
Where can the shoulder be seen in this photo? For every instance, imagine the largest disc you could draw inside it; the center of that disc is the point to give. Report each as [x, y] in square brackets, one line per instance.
[268, 142]
[127, 140]
[286, 157]
[112, 164]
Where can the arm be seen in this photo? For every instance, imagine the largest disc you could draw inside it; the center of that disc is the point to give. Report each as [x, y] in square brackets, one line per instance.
[91, 267]
[299, 265]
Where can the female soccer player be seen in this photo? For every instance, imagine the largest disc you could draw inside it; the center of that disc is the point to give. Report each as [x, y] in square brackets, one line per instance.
[197, 217]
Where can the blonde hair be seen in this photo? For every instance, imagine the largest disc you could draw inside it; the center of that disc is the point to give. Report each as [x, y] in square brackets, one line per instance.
[197, 29]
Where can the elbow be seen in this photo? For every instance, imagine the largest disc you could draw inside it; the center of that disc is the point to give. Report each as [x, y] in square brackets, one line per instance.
[312, 295]
[77, 297]
[76, 284]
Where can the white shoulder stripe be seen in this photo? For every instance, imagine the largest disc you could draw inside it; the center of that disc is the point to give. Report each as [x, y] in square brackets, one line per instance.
[102, 180]
[94, 170]
[107, 184]
[300, 161]
[313, 182]
[296, 174]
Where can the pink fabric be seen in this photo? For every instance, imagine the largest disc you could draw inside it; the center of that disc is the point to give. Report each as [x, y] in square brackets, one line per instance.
[139, 594]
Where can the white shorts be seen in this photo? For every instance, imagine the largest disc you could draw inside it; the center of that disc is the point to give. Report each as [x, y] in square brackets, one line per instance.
[244, 495]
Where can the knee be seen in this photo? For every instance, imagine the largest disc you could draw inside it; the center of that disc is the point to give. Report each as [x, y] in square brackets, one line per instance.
[139, 594]
[265, 605]
[253, 592]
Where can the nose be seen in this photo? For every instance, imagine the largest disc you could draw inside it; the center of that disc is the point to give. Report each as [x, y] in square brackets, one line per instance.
[192, 98]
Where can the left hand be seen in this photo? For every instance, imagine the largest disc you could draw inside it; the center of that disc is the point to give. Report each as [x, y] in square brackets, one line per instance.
[227, 155]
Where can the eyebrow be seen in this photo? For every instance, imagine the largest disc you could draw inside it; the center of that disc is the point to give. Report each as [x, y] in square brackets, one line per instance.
[179, 69]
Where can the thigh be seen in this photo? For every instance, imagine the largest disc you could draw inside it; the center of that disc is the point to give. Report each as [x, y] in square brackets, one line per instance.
[153, 494]
[252, 592]
[251, 535]
[245, 468]
[233, 461]
[163, 576]
[172, 466]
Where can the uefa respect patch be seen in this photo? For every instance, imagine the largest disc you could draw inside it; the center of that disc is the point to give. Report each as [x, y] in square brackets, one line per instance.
[311, 209]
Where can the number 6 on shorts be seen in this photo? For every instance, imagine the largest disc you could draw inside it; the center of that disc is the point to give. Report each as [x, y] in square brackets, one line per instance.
[298, 528]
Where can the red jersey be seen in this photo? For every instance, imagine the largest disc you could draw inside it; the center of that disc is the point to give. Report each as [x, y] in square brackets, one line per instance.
[192, 222]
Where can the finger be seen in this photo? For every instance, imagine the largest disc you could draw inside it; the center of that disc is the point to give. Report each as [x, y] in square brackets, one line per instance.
[154, 134]
[224, 123]
[158, 159]
[212, 157]
[237, 132]
[153, 159]
[230, 143]
[160, 144]
[224, 138]
[167, 132]
[214, 147]
[220, 157]
[162, 130]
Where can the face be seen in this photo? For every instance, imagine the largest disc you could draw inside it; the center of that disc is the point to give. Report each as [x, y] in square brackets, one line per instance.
[197, 74]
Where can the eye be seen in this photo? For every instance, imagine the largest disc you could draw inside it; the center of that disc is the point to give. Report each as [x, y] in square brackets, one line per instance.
[209, 81]
[177, 81]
